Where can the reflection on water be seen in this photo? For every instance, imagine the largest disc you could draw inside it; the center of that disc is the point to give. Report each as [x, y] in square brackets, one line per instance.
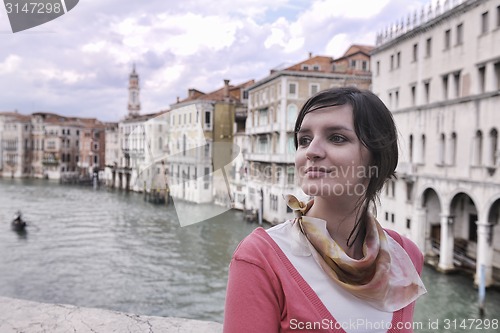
[113, 250]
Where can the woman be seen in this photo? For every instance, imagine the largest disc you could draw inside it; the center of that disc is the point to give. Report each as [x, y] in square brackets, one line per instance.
[332, 268]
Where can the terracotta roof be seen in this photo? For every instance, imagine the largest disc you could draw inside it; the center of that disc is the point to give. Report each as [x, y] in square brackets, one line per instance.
[353, 49]
[217, 95]
[324, 63]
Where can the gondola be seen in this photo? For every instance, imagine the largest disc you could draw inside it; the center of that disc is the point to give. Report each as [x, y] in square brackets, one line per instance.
[18, 224]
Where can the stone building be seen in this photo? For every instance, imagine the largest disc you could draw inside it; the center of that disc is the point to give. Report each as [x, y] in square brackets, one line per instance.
[15, 145]
[201, 144]
[439, 73]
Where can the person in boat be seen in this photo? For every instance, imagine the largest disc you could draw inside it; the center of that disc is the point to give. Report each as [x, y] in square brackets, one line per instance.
[18, 221]
[332, 268]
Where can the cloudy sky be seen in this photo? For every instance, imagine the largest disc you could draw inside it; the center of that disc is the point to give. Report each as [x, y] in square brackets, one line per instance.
[78, 64]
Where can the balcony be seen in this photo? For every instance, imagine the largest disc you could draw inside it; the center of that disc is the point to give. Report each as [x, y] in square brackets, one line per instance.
[271, 157]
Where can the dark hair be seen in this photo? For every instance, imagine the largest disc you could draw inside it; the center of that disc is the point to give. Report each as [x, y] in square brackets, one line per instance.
[375, 128]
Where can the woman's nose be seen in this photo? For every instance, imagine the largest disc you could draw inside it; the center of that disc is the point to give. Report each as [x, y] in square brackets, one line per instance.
[315, 150]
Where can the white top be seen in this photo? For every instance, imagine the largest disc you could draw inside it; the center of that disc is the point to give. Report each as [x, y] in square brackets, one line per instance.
[352, 313]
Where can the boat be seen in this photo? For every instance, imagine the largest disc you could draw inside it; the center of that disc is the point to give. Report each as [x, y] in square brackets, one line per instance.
[18, 224]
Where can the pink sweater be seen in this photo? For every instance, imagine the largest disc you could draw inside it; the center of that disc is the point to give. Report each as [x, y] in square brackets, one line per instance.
[266, 294]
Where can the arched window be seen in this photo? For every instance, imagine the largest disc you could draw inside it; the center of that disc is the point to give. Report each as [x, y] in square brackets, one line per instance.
[478, 148]
[453, 148]
[291, 114]
[422, 150]
[493, 147]
[411, 148]
[441, 149]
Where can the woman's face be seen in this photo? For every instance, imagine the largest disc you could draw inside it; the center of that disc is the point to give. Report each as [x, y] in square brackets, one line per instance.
[330, 159]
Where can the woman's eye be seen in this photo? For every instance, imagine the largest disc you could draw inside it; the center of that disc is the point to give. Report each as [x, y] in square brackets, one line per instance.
[304, 141]
[337, 138]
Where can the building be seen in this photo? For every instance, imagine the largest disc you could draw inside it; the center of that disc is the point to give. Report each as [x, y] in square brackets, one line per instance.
[439, 73]
[135, 159]
[201, 144]
[112, 153]
[91, 162]
[15, 145]
[273, 105]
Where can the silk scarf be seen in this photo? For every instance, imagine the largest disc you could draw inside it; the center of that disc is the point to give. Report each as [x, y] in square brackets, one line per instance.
[385, 277]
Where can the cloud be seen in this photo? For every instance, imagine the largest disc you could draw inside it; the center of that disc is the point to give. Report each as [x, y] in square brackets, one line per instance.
[80, 62]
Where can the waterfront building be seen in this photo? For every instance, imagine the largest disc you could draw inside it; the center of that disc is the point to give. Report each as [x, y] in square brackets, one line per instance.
[439, 73]
[137, 164]
[112, 154]
[55, 145]
[273, 105]
[15, 145]
[92, 145]
[201, 144]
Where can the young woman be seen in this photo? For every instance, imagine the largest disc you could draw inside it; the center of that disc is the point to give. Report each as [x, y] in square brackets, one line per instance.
[332, 268]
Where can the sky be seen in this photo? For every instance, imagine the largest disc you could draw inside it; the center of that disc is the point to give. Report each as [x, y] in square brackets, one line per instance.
[79, 64]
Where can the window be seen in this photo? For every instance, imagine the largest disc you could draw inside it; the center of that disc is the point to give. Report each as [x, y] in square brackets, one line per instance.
[442, 149]
[290, 175]
[460, 34]
[353, 63]
[396, 98]
[456, 79]
[263, 116]
[316, 67]
[305, 67]
[378, 67]
[445, 86]
[428, 47]
[392, 61]
[208, 119]
[263, 144]
[393, 218]
[493, 147]
[410, 148]
[313, 89]
[484, 22]
[481, 77]
[291, 114]
[408, 223]
[447, 39]
[498, 16]
[398, 59]
[413, 89]
[96, 160]
[364, 65]
[427, 91]
[422, 149]
[453, 148]
[478, 148]
[415, 52]
[292, 89]
[497, 75]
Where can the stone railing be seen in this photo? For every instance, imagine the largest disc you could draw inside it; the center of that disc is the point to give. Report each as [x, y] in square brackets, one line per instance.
[18, 316]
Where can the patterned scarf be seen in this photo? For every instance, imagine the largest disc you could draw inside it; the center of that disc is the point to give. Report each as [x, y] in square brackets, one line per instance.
[385, 277]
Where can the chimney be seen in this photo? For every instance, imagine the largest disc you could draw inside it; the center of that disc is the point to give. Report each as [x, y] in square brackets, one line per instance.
[226, 89]
[178, 99]
[310, 55]
[190, 92]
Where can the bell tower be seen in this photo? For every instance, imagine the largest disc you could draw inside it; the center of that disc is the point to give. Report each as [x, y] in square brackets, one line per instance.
[134, 104]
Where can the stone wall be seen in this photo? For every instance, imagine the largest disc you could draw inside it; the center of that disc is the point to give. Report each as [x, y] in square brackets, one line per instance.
[18, 316]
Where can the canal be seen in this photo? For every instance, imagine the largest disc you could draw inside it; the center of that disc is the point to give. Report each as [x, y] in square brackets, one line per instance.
[112, 250]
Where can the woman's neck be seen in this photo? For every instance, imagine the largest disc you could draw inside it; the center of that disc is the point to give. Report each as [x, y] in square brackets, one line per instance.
[341, 217]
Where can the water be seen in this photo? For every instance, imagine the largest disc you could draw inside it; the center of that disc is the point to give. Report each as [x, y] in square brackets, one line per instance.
[112, 250]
